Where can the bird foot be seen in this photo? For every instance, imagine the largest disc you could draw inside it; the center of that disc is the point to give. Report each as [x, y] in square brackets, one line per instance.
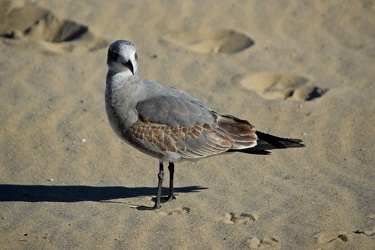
[157, 206]
[170, 197]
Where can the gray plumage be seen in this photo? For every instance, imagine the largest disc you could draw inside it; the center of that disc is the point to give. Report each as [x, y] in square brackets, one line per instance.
[170, 124]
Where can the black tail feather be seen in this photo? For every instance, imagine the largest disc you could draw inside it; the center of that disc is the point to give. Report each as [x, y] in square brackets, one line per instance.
[268, 142]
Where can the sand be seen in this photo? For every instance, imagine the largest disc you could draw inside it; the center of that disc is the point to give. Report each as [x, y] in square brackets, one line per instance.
[300, 69]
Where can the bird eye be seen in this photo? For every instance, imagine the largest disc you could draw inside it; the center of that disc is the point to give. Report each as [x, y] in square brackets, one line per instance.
[136, 57]
[114, 55]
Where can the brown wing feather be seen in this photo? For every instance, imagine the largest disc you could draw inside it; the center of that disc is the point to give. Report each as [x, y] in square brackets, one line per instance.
[200, 140]
[241, 132]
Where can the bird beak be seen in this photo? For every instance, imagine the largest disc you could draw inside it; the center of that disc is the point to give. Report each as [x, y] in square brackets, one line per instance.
[129, 65]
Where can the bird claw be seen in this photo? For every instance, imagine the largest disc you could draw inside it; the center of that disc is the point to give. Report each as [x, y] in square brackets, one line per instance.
[170, 197]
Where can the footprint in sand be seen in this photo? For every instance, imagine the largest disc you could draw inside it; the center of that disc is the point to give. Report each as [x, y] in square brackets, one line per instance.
[277, 86]
[326, 237]
[232, 218]
[345, 236]
[265, 243]
[36, 23]
[180, 210]
[210, 41]
[252, 242]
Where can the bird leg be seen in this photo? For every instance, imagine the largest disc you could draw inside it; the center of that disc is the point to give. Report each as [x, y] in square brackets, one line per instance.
[160, 185]
[171, 190]
[171, 195]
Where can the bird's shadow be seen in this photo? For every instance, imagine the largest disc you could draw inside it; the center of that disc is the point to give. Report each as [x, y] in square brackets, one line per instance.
[43, 193]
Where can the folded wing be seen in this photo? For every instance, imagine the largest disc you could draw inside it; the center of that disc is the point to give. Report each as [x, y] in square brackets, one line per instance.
[182, 125]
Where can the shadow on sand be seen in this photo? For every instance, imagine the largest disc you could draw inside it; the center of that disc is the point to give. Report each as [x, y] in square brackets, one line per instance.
[41, 193]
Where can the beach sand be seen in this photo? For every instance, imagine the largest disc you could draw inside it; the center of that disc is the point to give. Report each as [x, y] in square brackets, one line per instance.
[298, 69]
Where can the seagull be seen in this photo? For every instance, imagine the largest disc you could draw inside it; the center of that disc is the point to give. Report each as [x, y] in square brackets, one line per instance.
[170, 124]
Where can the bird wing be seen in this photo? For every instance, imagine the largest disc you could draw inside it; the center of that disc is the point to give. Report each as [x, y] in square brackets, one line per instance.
[185, 125]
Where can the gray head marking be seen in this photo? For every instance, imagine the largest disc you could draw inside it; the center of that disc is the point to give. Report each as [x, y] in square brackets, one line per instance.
[122, 56]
